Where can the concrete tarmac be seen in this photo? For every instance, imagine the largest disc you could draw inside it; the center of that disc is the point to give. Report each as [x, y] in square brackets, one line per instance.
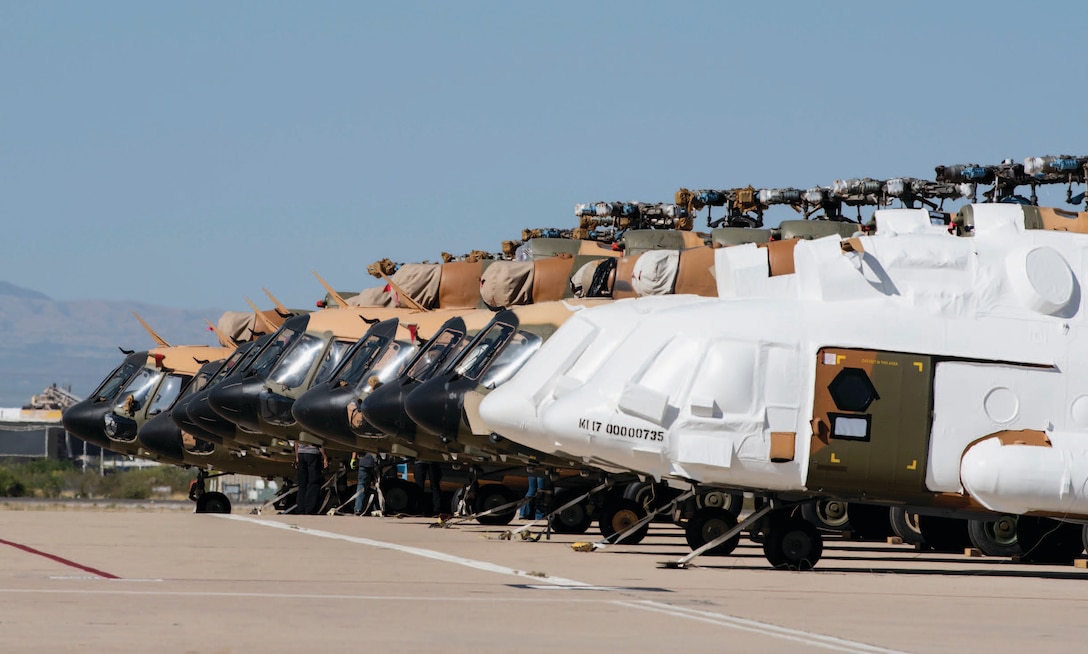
[171, 581]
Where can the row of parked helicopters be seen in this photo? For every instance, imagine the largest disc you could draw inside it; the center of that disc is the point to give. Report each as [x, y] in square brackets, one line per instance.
[916, 372]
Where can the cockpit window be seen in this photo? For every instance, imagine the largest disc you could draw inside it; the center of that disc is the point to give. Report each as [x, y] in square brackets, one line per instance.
[441, 349]
[232, 363]
[390, 365]
[292, 367]
[483, 349]
[280, 341]
[108, 389]
[199, 383]
[168, 391]
[522, 346]
[332, 360]
[139, 388]
[361, 359]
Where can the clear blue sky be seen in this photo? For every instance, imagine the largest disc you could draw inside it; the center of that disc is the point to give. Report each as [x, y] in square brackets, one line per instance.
[189, 153]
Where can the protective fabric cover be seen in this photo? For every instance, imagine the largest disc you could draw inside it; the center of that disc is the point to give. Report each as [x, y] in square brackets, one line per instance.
[507, 283]
[421, 281]
[696, 273]
[459, 285]
[780, 257]
[810, 229]
[637, 241]
[622, 288]
[550, 278]
[372, 297]
[238, 325]
[739, 235]
[655, 272]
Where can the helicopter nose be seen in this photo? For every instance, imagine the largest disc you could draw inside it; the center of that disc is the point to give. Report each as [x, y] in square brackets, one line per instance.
[323, 411]
[513, 415]
[180, 415]
[383, 408]
[237, 401]
[162, 437]
[202, 420]
[84, 420]
[435, 405]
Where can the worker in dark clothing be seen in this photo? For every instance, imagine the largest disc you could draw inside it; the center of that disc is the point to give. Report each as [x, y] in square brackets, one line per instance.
[424, 469]
[310, 460]
[367, 474]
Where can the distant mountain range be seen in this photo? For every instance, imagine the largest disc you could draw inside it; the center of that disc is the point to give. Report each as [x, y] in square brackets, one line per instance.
[74, 344]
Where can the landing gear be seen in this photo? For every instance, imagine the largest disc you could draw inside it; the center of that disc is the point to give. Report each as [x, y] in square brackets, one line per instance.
[207, 501]
[494, 495]
[621, 514]
[401, 496]
[792, 543]
[707, 524]
[1044, 540]
[574, 519]
[905, 525]
[995, 537]
[827, 514]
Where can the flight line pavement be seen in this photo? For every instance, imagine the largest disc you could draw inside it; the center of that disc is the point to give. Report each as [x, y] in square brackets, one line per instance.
[170, 581]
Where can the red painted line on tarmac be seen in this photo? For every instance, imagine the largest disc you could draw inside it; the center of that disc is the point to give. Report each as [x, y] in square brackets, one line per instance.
[59, 559]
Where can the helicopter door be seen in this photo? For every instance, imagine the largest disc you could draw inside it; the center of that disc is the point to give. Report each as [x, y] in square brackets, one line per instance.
[871, 422]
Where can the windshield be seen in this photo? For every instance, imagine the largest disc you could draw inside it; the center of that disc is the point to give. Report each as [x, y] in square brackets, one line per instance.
[332, 360]
[108, 388]
[361, 359]
[233, 363]
[295, 363]
[440, 349]
[280, 341]
[483, 349]
[199, 382]
[522, 346]
[168, 391]
[139, 388]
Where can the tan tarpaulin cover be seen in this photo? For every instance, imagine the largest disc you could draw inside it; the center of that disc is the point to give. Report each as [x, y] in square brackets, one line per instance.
[239, 325]
[420, 281]
[372, 297]
[696, 273]
[551, 277]
[460, 284]
[655, 272]
[625, 267]
[507, 283]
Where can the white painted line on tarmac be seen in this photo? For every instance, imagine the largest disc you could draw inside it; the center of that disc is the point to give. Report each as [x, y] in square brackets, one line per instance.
[764, 628]
[290, 596]
[407, 549]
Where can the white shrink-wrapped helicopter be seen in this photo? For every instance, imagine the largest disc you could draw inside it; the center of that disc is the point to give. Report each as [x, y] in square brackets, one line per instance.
[911, 367]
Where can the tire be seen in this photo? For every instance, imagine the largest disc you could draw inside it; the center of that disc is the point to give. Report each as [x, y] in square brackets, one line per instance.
[400, 496]
[905, 525]
[213, 503]
[944, 534]
[707, 524]
[827, 514]
[720, 499]
[490, 496]
[793, 544]
[995, 537]
[455, 501]
[618, 516]
[1044, 540]
[651, 496]
[574, 520]
[870, 522]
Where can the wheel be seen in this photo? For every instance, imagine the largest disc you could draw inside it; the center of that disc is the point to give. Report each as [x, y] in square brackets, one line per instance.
[621, 514]
[490, 496]
[213, 503]
[793, 544]
[1045, 540]
[400, 496]
[651, 496]
[719, 499]
[905, 525]
[455, 502]
[572, 520]
[995, 537]
[707, 524]
[944, 534]
[869, 522]
[827, 514]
